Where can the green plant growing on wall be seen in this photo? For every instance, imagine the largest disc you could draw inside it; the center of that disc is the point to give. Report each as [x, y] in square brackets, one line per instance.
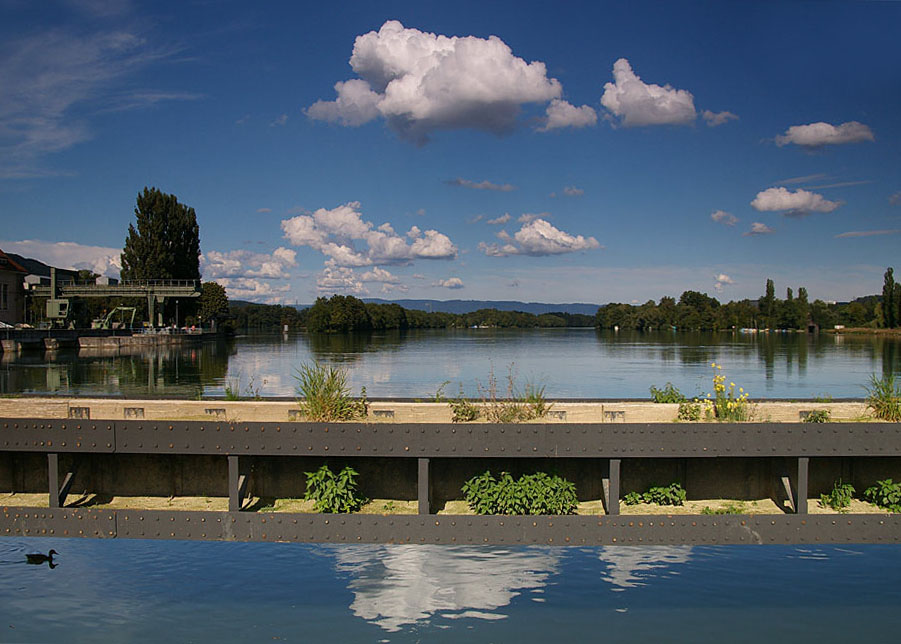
[513, 406]
[884, 398]
[672, 494]
[886, 494]
[732, 507]
[538, 493]
[818, 416]
[669, 394]
[463, 410]
[689, 411]
[333, 493]
[323, 394]
[839, 498]
[728, 404]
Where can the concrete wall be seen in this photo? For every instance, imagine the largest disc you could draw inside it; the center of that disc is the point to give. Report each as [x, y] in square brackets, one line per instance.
[385, 411]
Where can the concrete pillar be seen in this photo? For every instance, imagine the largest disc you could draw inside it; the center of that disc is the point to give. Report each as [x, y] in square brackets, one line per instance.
[423, 491]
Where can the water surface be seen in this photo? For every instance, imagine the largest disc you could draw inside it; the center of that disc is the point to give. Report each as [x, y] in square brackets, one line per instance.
[569, 363]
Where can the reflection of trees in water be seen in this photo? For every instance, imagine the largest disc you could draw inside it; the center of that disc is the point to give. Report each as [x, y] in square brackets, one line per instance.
[172, 370]
[394, 586]
[631, 566]
[348, 348]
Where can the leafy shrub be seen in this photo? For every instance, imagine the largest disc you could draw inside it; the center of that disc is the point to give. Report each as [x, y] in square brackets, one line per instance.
[885, 494]
[669, 394]
[689, 411]
[334, 493]
[884, 398]
[324, 396]
[672, 494]
[839, 498]
[538, 493]
[818, 416]
[733, 507]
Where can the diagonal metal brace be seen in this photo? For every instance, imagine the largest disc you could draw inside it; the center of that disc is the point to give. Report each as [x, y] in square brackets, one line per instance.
[58, 493]
[237, 485]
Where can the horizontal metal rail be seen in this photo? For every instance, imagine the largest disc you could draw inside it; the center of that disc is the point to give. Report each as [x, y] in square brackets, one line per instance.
[405, 440]
[451, 529]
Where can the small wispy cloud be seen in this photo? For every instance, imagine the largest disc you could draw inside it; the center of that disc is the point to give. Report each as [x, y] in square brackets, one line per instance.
[723, 217]
[868, 233]
[480, 185]
[758, 228]
[503, 219]
[715, 119]
[263, 210]
[280, 121]
[895, 199]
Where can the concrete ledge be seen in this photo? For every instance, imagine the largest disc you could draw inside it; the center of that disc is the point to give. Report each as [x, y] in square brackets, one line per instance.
[387, 411]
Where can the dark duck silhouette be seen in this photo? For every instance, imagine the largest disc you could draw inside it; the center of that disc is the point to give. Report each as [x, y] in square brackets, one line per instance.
[39, 558]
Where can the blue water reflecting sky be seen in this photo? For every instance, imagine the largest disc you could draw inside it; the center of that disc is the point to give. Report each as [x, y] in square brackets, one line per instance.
[144, 591]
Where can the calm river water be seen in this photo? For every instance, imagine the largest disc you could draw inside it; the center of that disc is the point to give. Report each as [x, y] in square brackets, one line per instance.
[144, 591]
[570, 363]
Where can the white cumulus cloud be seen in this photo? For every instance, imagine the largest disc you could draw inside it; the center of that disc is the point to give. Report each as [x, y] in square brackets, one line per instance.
[563, 114]
[70, 255]
[797, 203]
[255, 290]
[451, 283]
[420, 82]
[723, 217]
[815, 135]
[347, 240]
[538, 238]
[637, 103]
[720, 281]
[244, 263]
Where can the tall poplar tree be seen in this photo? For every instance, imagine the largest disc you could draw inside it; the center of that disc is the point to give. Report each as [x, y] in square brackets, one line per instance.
[166, 242]
[888, 299]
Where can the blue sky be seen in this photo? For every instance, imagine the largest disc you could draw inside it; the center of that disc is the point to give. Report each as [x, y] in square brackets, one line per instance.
[587, 152]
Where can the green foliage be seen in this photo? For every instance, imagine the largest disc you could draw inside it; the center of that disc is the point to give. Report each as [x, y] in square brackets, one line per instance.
[338, 314]
[252, 391]
[334, 493]
[538, 493]
[689, 411]
[265, 316]
[232, 389]
[818, 416]
[672, 494]
[463, 410]
[324, 396]
[513, 407]
[822, 398]
[213, 302]
[884, 398]
[885, 494]
[732, 507]
[839, 498]
[669, 394]
[166, 242]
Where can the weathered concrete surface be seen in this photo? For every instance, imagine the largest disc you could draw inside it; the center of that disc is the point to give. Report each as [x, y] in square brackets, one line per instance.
[386, 411]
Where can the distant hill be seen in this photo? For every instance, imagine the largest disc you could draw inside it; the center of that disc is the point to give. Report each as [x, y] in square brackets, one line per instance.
[468, 306]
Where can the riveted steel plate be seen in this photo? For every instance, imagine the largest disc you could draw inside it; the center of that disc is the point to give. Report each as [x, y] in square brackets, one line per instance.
[40, 435]
[455, 529]
[57, 522]
[437, 440]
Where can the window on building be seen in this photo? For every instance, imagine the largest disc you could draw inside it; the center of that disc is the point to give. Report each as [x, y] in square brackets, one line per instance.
[4, 297]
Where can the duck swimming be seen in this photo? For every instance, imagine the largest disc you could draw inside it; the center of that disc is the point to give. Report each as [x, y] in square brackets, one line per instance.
[39, 558]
